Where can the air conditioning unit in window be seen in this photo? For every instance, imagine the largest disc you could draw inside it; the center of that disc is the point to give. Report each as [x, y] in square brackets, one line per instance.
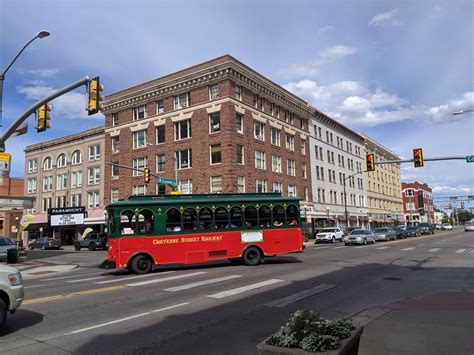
[260, 136]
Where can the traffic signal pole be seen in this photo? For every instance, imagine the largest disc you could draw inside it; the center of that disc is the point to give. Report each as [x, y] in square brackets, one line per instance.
[15, 125]
[138, 169]
[425, 159]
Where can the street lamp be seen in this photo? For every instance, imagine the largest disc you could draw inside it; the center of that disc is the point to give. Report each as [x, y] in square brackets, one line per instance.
[40, 35]
[462, 111]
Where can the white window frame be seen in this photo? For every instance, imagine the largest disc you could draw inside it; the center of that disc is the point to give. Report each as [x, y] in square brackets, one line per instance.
[261, 183]
[139, 163]
[185, 186]
[216, 127]
[291, 190]
[277, 186]
[276, 138]
[240, 184]
[213, 92]
[290, 141]
[158, 163]
[291, 167]
[260, 162]
[276, 164]
[61, 161]
[114, 195]
[115, 144]
[76, 158]
[31, 185]
[259, 130]
[76, 179]
[178, 131]
[139, 113]
[94, 152]
[181, 101]
[115, 119]
[189, 162]
[139, 190]
[238, 92]
[215, 189]
[160, 109]
[32, 166]
[239, 123]
[140, 141]
[93, 175]
[210, 154]
[48, 164]
[242, 161]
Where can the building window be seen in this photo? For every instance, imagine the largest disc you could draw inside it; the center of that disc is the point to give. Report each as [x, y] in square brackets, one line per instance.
[214, 92]
[241, 184]
[46, 204]
[292, 190]
[276, 164]
[240, 154]
[48, 164]
[216, 184]
[239, 120]
[139, 190]
[216, 157]
[260, 160]
[93, 199]
[76, 200]
[139, 139]
[94, 152]
[47, 183]
[160, 134]
[160, 106]
[115, 170]
[31, 186]
[275, 136]
[303, 170]
[184, 159]
[61, 182]
[32, 166]
[181, 101]
[291, 167]
[260, 186]
[93, 176]
[259, 130]
[303, 146]
[115, 119]
[214, 122]
[238, 92]
[114, 195]
[182, 130]
[61, 162]
[61, 201]
[290, 141]
[409, 192]
[139, 113]
[76, 157]
[139, 163]
[277, 186]
[76, 179]
[115, 144]
[185, 186]
[160, 163]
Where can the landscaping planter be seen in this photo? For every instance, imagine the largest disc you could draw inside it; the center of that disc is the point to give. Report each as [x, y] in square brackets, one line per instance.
[349, 346]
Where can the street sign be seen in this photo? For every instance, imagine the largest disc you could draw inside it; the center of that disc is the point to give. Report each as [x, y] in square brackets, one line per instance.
[166, 181]
[448, 207]
[5, 159]
[470, 159]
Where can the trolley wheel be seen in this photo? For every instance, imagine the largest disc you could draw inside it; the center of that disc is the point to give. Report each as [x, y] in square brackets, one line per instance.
[252, 256]
[141, 264]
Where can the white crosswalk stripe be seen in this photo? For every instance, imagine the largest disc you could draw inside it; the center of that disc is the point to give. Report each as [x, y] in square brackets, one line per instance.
[142, 283]
[459, 251]
[406, 249]
[202, 283]
[360, 246]
[339, 247]
[434, 250]
[88, 279]
[381, 248]
[119, 279]
[327, 246]
[282, 302]
[236, 291]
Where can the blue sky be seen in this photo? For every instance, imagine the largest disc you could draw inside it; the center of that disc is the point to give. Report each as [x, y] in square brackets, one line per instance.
[394, 70]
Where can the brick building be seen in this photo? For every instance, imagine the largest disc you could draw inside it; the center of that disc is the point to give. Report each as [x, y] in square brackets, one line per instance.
[12, 202]
[218, 126]
[418, 203]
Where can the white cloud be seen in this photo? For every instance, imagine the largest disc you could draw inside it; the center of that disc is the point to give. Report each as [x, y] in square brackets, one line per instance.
[437, 12]
[453, 190]
[42, 73]
[385, 19]
[326, 29]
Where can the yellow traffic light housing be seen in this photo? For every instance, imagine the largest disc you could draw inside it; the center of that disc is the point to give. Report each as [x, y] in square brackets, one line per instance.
[418, 158]
[146, 175]
[95, 96]
[44, 118]
[370, 159]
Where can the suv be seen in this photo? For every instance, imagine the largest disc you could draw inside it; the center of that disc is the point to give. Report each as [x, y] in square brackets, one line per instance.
[329, 235]
[11, 291]
[92, 241]
[426, 228]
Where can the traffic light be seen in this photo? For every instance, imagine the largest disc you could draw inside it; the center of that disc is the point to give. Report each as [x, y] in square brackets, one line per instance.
[418, 157]
[370, 159]
[95, 96]
[146, 175]
[43, 118]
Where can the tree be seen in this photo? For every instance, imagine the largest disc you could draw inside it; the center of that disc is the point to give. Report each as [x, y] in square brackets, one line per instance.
[464, 216]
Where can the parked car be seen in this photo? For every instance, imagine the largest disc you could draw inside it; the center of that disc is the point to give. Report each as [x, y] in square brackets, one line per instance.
[348, 230]
[45, 243]
[412, 231]
[92, 241]
[469, 226]
[426, 228]
[439, 226]
[5, 245]
[11, 291]
[447, 226]
[360, 236]
[400, 231]
[329, 235]
[385, 234]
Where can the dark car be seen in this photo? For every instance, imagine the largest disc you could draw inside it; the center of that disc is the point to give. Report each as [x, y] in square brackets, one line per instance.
[92, 241]
[45, 243]
[400, 231]
[412, 231]
[5, 245]
[426, 228]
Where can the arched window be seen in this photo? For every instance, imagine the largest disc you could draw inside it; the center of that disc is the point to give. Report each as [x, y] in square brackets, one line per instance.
[278, 215]
[189, 219]
[61, 162]
[127, 222]
[146, 222]
[236, 217]
[76, 157]
[205, 218]
[173, 220]
[292, 215]
[265, 216]
[251, 217]
[48, 164]
[221, 217]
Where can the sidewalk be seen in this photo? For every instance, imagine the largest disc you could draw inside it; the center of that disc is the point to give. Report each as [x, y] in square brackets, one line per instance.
[441, 323]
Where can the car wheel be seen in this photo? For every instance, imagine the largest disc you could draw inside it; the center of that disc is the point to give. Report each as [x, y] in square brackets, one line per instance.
[3, 313]
[43, 247]
[373, 241]
[346, 244]
[141, 264]
[91, 246]
[365, 241]
[252, 256]
[77, 246]
[31, 246]
[333, 240]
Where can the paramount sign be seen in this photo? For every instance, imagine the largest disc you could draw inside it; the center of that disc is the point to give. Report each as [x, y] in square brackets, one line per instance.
[68, 216]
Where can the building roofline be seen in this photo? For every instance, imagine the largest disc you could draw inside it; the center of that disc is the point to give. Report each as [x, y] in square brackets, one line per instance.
[374, 142]
[337, 122]
[65, 139]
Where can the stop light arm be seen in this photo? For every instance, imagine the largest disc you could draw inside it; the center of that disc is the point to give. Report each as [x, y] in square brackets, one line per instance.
[425, 159]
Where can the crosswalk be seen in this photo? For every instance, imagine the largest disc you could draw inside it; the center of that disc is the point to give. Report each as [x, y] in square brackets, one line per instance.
[419, 247]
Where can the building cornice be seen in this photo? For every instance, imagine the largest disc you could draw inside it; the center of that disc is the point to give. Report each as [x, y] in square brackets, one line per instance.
[336, 126]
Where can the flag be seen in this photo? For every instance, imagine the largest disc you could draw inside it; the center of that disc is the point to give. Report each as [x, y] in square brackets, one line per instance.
[86, 232]
[24, 222]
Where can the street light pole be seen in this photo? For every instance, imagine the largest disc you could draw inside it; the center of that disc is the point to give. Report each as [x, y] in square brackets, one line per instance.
[40, 35]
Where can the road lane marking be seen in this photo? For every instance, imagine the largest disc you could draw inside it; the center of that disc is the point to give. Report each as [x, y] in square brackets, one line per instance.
[434, 250]
[35, 286]
[460, 251]
[127, 318]
[381, 248]
[71, 276]
[201, 283]
[327, 246]
[421, 245]
[410, 248]
[443, 240]
[73, 294]
[282, 302]
[43, 299]
[132, 277]
[360, 246]
[238, 290]
[338, 247]
[142, 283]
[88, 279]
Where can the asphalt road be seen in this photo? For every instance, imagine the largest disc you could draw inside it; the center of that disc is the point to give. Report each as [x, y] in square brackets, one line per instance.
[221, 308]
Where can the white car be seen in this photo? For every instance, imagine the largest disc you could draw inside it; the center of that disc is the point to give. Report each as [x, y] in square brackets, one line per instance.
[469, 226]
[447, 226]
[329, 235]
[11, 291]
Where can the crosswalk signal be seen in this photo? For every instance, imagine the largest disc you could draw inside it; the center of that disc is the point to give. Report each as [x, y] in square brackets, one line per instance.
[44, 118]
[370, 159]
[418, 157]
[146, 175]
[95, 96]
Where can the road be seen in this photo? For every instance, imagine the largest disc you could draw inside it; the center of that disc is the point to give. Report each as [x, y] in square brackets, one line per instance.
[221, 308]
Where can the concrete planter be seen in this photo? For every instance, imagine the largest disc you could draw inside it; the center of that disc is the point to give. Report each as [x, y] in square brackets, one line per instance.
[349, 346]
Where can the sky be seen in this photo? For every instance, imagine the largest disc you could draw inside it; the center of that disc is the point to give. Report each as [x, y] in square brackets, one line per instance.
[393, 70]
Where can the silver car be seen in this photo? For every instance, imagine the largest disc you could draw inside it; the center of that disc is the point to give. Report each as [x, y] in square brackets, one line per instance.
[385, 234]
[11, 291]
[360, 236]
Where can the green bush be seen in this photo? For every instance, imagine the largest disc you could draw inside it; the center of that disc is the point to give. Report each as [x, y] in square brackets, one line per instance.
[310, 332]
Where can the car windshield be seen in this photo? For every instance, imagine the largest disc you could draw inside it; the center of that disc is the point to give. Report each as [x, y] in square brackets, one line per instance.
[381, 230]
[329, 230]
[5, 241]
[358, 231]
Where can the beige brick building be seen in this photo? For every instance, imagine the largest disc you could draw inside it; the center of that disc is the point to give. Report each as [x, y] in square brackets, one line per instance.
[219, 126]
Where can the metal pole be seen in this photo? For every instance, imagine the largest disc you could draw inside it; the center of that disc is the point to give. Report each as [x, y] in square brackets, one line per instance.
[345, 204]
[175, 188]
